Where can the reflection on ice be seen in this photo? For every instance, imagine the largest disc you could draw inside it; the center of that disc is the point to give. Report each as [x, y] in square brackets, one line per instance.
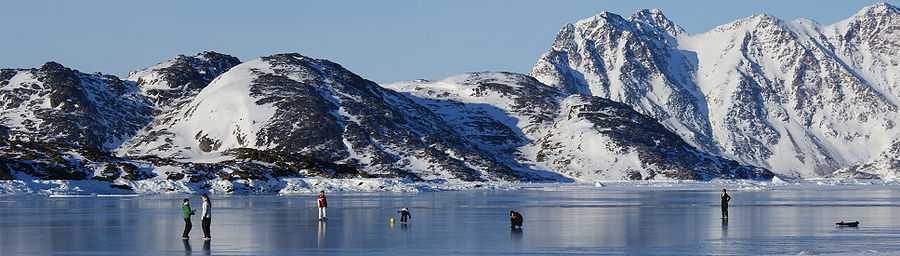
[320, 235]
[680, 219]
[187, 246]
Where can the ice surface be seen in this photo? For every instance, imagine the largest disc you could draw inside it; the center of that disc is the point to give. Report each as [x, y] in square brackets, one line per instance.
[662, 218]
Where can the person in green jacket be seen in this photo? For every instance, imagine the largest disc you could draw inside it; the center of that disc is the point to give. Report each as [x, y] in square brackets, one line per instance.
[186, 212]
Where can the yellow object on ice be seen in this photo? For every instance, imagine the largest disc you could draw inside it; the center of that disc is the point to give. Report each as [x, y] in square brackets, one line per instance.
[391, 220]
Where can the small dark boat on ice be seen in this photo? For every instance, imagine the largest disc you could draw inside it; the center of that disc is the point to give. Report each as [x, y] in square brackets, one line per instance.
[848, 224]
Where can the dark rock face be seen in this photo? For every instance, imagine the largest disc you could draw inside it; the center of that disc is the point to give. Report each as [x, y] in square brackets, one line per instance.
[63, 162]
[293, 165]
[5, 171]
[110, 172]
[529, 96]
[41, 160]
[302, 110]
[183, 77]
[132, 172]
[4, 135]
[87, 110]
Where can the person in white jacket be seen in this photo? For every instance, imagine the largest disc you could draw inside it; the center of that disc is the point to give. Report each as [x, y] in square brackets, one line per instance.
[206, 217]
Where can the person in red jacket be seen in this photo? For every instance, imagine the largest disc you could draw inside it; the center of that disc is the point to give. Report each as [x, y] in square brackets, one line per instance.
[322, 203]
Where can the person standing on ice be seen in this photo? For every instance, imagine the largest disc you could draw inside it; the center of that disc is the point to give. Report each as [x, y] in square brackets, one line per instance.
[186, 212]
[206, 217]
[404, 215]
[725, 199]
[322, 203]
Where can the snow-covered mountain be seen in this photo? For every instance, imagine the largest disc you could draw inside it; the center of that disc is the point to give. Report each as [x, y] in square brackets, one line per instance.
[170, 86]
[210, 122]
[295, 104]
[524, 121]
[57, 104]
[799, 98]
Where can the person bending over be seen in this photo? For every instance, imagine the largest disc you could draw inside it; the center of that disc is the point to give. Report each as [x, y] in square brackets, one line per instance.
[516, 219]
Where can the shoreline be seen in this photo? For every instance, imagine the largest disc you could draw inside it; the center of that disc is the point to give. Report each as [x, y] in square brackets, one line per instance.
[309, 186]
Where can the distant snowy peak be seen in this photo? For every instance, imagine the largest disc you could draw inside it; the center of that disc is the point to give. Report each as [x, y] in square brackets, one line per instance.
[868, 43]
[866, 22]
[300, 105]
[607, 26]
[878, 9]
[875, 26]
[183, 76]
[634, 61]
[54, 103]
[797, 97]
[655, 19]
[751, 23]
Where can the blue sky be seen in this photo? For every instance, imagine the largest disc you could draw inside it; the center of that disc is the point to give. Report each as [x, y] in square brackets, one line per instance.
[383, 41]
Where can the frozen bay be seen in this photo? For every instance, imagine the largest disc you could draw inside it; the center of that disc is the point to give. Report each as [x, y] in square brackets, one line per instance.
[574, 219]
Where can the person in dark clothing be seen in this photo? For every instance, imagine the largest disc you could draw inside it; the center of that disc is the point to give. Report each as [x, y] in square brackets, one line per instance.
[206, 217]
[516, 219]
[404, 215]
[725, 199]
[186, 212]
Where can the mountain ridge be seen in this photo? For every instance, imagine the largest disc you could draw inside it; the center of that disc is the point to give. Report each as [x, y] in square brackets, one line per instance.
[758, 89]
[614, 98]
